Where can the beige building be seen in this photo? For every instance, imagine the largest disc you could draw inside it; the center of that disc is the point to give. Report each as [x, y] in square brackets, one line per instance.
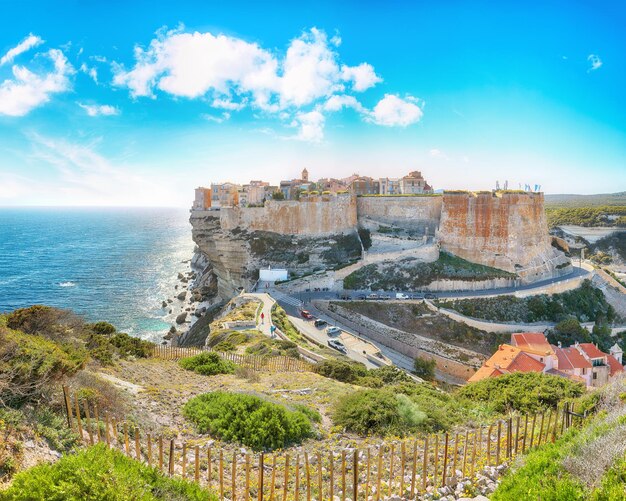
[202, 199]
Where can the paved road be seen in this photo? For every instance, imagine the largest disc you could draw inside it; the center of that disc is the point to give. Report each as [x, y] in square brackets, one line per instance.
[354, 294]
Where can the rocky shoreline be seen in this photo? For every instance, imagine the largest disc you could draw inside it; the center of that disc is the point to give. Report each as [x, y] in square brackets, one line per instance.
[191, 297]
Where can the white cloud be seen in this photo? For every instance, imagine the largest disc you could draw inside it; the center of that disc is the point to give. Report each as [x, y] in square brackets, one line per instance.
[25, 45]
[96, 110]
[233, 74]
[392, 110]
[436, 153]
[91, 72]
[28, 90]
[362, 76]
[595, 61]
[340, 101]
[212, 118]
[311, 126]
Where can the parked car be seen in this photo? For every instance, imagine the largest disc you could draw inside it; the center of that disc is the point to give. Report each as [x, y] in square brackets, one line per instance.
[361, 297]
[332, 330]
[337, 345]
[372, 296]
[345, 297]
[320, 323]
[417, 296]
[430, 295]
[401, 295]
[307, 315]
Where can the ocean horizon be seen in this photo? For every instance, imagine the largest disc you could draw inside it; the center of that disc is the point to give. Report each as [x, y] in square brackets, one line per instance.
[115, 264]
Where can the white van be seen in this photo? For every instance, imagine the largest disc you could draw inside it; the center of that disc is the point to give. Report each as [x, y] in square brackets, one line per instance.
[401, 295]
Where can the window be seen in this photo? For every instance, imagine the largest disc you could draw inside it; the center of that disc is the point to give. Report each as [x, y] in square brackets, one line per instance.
[595, 375]
[584, 371]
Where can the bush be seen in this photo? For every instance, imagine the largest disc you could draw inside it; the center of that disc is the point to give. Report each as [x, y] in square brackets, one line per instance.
[523, 392]
[247, 419]
[208, 364]
[378, 412]
[99, 473]
[424, 368]
[341, 370]
[30, 363]
[274, 348]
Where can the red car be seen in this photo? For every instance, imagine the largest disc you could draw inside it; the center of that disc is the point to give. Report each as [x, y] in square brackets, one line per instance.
[306, 314]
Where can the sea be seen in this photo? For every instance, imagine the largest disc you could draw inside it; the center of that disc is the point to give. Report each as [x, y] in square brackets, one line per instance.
[112, 264]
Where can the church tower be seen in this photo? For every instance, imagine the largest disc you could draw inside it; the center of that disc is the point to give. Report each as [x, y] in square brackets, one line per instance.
[305, 175]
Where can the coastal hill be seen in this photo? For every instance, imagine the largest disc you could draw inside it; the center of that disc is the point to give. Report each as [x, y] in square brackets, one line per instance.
[573, 200]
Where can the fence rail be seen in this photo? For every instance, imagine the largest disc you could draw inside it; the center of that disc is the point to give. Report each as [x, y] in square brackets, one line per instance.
[254, 362]
[404, 468]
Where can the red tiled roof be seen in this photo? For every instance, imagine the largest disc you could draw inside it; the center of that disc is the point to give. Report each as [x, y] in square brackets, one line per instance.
[525, 363]
[532, 342]
[570, 358]
[505, 360]
[614, 365]
[573, 377]
[592, 350]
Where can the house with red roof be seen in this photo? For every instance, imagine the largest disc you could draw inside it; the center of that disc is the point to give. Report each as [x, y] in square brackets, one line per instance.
[531, 352]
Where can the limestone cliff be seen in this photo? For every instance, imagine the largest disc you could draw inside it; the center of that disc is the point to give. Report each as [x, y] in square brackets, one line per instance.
[303, 237]
[506, 230]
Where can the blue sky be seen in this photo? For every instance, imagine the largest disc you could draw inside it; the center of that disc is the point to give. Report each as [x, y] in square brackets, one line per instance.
[108, 103]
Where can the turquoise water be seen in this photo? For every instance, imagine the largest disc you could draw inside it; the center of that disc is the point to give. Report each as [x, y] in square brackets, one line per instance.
[104, 263]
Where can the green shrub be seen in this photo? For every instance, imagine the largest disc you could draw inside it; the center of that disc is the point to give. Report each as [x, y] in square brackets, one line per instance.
[103, 328]
[524, 392]
[224, 347]
[345, 371]
[274, 348]
[424, 368]
[208, 364]
[30, 363]
[247, 419]
[98, 473]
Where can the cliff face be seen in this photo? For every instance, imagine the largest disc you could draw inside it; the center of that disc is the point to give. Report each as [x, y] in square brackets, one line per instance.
[416, 215]
[238, 243]
[507, 231]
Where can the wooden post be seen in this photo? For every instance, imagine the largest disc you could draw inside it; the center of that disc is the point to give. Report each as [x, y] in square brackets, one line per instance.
[260, 484]
[480, 441]
[465, 451]
[413, 470]
[196, 464]
[137, 447]
[319, 477]
[286, 477]
[343, 476]
[489, 444]
[532, 431]
[171, 458]
[160, 453]
[115, 432]
[88, 421]
[209, 465]
[425, 466]
[525, 433]
[508, 438]
[445, 462]
[402, 466]
[149, 449]
[541, 428]
[68, 406]
[545, 439]
[184, 465]
[273, 484]
[233, 478]
[379, 470]
[308, 477]
[473, 463]
[436, 459]
[247, 493]
[78, 421]
[126, 444]
[355, 476]
[297, 490]
[556, 423]
[456, 453]
[368, 474]
[106, 429]
[498, 443]
[391, 458]
[221, 467]
[517, 434]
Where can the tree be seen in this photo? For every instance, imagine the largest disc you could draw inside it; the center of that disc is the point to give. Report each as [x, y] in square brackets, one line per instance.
[278, 195]
[424, 368]
[568, 332]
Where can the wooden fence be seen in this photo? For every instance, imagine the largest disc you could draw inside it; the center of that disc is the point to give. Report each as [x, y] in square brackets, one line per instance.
[254, 362]
[403, 468]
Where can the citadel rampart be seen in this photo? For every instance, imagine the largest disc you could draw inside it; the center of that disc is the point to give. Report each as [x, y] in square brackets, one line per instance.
[419, 214]
[506, 230]
[313, 215]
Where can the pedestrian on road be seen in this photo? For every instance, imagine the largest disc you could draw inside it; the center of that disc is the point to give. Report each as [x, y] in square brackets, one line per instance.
[262, 318]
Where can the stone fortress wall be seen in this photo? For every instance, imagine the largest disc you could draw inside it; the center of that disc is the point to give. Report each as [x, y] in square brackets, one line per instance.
[419, 214]
[312, 216]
